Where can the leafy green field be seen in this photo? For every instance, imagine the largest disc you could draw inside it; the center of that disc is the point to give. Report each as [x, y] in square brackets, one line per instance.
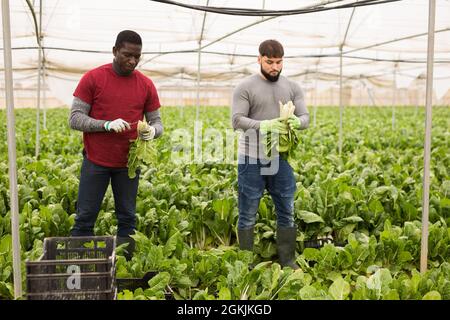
[368, 200]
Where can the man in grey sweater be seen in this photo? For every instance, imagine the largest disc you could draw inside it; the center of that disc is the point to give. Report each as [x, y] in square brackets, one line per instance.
[255, 111]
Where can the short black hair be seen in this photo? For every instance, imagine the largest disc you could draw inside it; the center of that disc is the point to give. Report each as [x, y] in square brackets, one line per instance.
[271, 49]
[127, 36]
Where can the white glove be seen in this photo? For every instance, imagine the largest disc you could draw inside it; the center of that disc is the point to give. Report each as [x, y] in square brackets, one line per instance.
[117, 125]
[148, 134]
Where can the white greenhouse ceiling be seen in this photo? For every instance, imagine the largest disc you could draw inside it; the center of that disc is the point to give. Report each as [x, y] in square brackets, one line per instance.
[377, 40]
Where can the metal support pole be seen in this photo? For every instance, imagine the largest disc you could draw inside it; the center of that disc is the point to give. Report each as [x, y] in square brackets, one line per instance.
[198, 64]
[315, 100]
[341, 107]
[416, 100]
[427, 147]
[11, 138]
[44, 96]
[38, 106]
[394, 88]
[198, 82]
[263, 6]
[42, 66]
[315, 90]
[182, 95]
[360, 99]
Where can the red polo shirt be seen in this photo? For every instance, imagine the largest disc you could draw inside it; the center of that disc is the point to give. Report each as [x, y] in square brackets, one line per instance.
[111, 97]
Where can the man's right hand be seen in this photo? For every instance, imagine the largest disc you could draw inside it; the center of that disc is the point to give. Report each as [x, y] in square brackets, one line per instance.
[117, 125]
[148, 134]
[275, 125]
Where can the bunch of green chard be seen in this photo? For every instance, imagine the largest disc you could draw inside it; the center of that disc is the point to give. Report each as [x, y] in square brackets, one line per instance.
[141, 151]
[284, 143]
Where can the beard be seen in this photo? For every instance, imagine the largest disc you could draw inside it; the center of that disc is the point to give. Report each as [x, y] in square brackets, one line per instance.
[270, 77]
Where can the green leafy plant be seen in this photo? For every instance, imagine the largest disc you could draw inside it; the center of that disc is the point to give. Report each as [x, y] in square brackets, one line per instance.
[141, 151]
[284, 143]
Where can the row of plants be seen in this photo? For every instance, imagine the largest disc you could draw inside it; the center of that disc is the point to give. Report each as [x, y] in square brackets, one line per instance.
[365, 268]
[373, 188]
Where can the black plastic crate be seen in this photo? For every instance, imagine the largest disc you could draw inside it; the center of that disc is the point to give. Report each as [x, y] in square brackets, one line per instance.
[74, 268]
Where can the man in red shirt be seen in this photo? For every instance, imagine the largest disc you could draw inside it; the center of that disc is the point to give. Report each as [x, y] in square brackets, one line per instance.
[108, 102]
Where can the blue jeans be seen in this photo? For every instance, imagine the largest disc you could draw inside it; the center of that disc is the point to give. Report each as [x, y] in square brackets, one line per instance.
[252, 181]
[94, 181]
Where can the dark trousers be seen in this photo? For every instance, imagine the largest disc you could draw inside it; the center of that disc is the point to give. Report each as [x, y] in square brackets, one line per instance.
[94, 181]
[253, 180]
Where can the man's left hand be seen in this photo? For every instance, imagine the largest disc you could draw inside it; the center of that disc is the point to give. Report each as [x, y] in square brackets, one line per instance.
[147, 134]
[294, 122]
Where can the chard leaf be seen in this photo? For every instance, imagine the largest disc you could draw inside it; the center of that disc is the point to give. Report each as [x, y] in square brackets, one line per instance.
[171, 244]
[126, 295]
[391, 295]
[353, 219]
[310, 217]
[224, 294]
[432, 295]
[159, 282]
[311, 254]
[309, 293]
[340, 289]
[141, 152]
[380, 281]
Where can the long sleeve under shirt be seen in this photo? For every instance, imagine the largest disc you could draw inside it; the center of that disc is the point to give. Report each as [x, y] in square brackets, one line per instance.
[79, 119]
[257, 99]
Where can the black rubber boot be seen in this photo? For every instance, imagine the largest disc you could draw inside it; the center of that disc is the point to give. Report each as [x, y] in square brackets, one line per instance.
[246, 239]
[286, 243]
[129, 249]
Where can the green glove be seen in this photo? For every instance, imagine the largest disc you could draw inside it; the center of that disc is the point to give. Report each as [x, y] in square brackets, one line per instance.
[274, 125]
[294, 122]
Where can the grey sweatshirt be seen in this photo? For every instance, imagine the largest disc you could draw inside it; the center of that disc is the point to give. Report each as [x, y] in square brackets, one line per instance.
[256, 99]
[80, 120]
